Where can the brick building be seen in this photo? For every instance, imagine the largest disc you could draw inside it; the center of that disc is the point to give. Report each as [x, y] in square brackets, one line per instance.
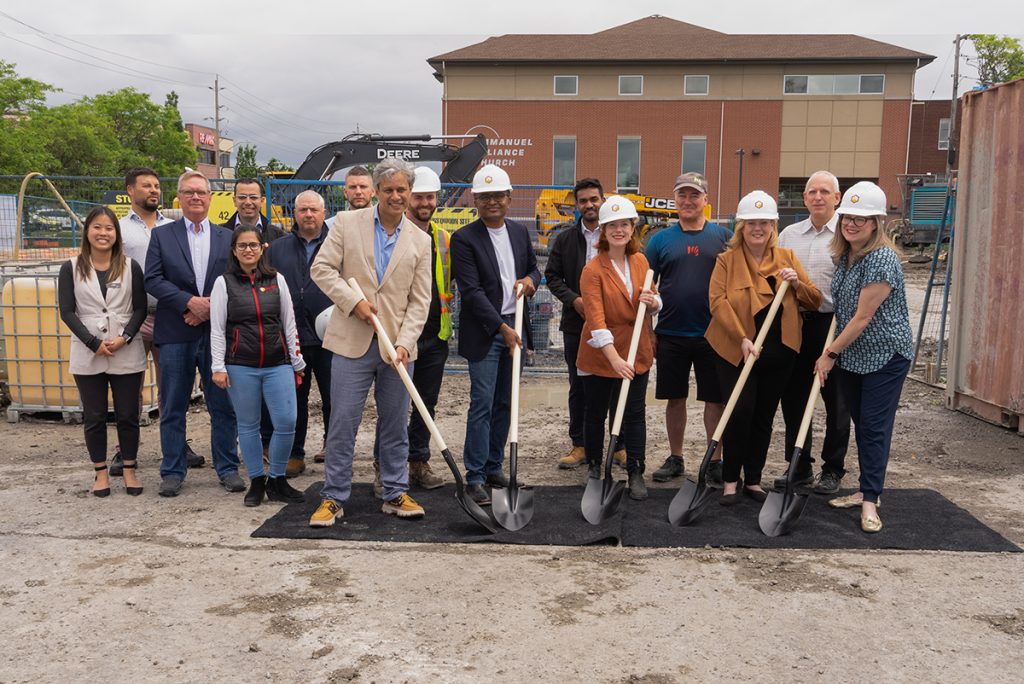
[637, 104]
[929, 137]
[205, 140]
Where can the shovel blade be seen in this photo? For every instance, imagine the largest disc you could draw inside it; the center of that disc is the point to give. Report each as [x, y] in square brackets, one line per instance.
[471, 507]
[778, 516]
[689, 503]
[512, 507]
[601, 499]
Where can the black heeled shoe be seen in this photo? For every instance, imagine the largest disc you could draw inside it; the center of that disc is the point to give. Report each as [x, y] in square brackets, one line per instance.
[132, 491]
[106, 490]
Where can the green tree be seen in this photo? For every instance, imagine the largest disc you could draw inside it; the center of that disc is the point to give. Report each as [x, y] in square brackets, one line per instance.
[245, 162]
[1000, 58]
[150, 135]
[20, 95]
[276, 164]
[74, 140]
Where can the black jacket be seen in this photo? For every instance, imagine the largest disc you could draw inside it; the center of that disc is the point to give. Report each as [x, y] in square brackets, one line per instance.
[288, 256]
[268, 230]
[254, 331]
[566, 259]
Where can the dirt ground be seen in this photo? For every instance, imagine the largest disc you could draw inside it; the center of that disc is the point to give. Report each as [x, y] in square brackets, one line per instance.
[155, 589]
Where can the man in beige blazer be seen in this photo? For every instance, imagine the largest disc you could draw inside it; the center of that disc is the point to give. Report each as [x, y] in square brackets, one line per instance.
[390, 259]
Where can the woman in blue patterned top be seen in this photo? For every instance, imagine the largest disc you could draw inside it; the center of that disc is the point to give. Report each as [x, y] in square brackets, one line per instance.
[873, 343]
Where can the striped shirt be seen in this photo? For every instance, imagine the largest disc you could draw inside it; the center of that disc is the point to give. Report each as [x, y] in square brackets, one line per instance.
[812, 249]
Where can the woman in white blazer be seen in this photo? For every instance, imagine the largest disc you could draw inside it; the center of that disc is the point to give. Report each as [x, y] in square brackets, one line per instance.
[102, 301]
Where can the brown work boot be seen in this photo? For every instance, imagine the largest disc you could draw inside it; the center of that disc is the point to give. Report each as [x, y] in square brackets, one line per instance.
[620, 458]
[573, 459]
[421, 475]
[378, 487]
[296, 466]
[320, 457]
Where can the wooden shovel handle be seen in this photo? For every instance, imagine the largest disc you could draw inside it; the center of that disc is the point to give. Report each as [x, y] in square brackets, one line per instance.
[517, 362]
[805, 422]
[634, 343]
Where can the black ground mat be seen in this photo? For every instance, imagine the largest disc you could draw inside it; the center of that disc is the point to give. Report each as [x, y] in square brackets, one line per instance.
[914, 519]
[557, 520]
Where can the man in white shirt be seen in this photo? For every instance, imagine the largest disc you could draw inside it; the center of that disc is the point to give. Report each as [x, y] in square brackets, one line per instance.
[810, 240]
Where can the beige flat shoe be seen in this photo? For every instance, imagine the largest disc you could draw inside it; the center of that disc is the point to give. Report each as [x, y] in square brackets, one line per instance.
[871, 524]
[851, 501]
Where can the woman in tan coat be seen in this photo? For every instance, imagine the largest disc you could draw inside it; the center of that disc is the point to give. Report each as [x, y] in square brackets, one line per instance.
[611, 286]
[742, 288]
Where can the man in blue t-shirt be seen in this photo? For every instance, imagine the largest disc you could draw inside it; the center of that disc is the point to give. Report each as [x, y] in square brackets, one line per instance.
[683, 256]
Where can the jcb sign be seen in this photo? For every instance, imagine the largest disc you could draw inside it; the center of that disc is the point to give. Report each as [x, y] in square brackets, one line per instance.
[398, 154]
[660, 203]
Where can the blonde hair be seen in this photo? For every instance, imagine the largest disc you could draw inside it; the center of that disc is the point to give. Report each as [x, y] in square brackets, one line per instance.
[193, 174]
[738, 240]
[880, 238]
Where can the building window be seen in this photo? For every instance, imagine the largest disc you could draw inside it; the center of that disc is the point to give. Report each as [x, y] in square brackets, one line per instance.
[694, 154]
[225, 160]
[567, 85]
[627, 165]
[943, 134]
[207, 156]
[563, 165]
[695, 85]
[631, 85]
[834, 84]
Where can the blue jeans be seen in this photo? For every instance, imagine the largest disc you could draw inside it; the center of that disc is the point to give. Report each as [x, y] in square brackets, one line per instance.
[873, 399]
[350, 384]
[490, 403]
[272, 387]
[178, 365]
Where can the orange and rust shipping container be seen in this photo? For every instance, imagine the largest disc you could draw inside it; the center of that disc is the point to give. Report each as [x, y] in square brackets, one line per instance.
[986, 373]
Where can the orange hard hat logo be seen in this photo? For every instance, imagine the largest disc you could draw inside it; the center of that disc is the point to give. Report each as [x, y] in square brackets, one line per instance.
[488, 179]
[855, 199]
[758, 204]
[615, 207]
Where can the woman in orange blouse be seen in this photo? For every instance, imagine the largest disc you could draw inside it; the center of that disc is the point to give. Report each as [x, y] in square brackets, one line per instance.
[742, 288]
[611, 285]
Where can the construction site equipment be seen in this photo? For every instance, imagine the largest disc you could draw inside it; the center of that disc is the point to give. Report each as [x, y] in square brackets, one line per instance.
[693, 497]
[924, 210]
[781, 510]
[513, 505]
[602, 498]
[471, 507]
[931, 327]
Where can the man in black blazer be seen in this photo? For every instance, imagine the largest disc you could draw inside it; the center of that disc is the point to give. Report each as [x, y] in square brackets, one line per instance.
[183, 261]
[249, 202]
[490, 258]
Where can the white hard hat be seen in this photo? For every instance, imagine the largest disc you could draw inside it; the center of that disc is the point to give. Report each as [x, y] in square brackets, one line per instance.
[322, 321]
[757, 205]
[614, 208]
[426, 180]
[863, 199]
[490, 178]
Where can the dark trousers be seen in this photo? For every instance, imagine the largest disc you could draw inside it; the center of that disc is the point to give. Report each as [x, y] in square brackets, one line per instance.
[92, 390]
[599, 393]
[431, 356]
[577, 391]
[748, 433]
[794, 400]
[318, 365]
[873, 398]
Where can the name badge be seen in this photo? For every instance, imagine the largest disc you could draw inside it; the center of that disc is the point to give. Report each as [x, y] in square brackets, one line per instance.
[113, 286]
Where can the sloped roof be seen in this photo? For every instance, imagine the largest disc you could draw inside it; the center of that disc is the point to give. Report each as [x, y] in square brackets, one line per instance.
[661, 39]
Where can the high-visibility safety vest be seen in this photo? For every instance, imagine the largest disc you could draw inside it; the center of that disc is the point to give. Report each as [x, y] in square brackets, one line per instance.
[443, 276]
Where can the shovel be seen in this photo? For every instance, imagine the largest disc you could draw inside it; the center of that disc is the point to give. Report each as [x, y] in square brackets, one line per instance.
[693, 497]
[471, 507]
[781, 510]
[601, 498]
[513, 505]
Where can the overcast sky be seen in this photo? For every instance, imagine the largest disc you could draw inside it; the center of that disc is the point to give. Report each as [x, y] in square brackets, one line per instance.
[300, 73]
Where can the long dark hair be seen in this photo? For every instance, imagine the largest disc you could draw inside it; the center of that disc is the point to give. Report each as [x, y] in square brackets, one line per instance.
[263, 267]
[83, 267]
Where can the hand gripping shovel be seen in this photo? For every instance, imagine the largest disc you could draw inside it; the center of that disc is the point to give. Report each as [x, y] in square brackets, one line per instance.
[781, 510]
[693, 498]
[513, 505]
[601, 498]
[471, 507]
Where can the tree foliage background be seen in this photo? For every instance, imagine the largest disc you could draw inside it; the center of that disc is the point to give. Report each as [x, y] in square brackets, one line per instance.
[1000, 58]
[93, 136]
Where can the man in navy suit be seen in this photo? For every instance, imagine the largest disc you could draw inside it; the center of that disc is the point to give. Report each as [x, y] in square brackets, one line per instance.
[490, 258]
[183, 260]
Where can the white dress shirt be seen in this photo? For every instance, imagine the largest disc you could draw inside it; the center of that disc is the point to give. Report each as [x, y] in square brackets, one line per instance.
[590, 237]
[811, 247]
[135, 236]
[199, 247]
[506, 267]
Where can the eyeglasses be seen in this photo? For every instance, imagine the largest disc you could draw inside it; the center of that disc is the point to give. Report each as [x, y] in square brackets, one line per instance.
[194, 193]
[858, 221]
[248, 246]
[488, 197]
[248, 197]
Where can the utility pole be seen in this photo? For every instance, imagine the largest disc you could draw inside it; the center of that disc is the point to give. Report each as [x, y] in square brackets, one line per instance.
[951, 147]
[216, 122]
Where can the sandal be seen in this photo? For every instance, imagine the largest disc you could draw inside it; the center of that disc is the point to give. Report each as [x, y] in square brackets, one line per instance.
[871, 524]
[851, 501]
[106, 490]
[132, 491]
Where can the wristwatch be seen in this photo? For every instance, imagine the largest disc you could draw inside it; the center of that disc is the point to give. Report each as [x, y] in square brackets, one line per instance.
[127, 339]
[831, 354]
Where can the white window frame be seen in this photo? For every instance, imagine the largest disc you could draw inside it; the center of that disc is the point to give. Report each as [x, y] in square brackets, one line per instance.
[880, 92]
[682, 155]
[786, 77]
[640, 76]
[639, 163]
[575, 147]
[944, 141]
[576, 82]
[809, 77]
[707, 84]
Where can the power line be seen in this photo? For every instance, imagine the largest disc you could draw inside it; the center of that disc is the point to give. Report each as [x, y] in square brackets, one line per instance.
[942, 73]
[272, 117]
[278, 107]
